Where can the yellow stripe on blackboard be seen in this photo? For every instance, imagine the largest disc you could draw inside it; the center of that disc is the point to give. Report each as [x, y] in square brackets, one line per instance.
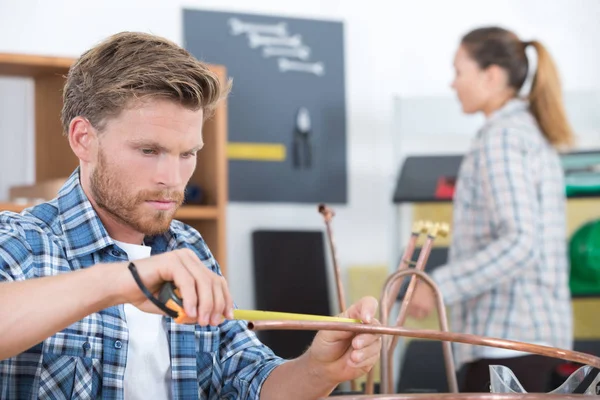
[256, 151]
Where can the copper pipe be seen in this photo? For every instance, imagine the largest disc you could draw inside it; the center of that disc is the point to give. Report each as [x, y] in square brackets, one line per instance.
[465, 396]
[467, 338]
[327, 216]
[370, 382]
[418, 228]
[386, 364]
[421, 261]
[433, 232]
[403, 312]
[438, 229]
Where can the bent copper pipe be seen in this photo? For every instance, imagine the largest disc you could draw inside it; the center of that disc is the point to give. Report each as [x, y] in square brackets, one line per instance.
[406, 259]
[327, 216]
[370, 382]
[466, 338]
[421, 262]
[404, 263]
[437, 229]
[386, 364]
[466, 396]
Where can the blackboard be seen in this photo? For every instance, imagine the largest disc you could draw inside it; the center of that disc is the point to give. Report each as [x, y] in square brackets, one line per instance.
[279, 66]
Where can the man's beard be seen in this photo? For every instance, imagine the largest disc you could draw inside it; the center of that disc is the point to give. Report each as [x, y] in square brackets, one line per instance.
[113, 196]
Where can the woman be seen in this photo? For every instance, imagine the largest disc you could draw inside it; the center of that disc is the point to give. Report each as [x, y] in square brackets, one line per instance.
[507, 274]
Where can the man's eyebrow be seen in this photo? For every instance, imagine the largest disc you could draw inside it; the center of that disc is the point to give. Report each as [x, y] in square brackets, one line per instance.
[196, 148]
[147, 143]
[155, 145]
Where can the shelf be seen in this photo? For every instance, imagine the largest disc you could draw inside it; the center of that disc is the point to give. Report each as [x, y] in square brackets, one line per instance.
[14, 207]
[185, 212]
[418, 178]
[444, 201]
[32, 65]
[419, 175]
[197, 212]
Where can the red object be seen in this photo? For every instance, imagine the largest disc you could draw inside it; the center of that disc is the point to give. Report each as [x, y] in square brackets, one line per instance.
[567, 369]
[445, 188]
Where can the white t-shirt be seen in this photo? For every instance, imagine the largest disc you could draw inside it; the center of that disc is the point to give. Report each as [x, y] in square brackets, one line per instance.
[148, 369]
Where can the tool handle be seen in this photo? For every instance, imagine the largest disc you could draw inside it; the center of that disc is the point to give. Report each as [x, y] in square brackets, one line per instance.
[170, 296]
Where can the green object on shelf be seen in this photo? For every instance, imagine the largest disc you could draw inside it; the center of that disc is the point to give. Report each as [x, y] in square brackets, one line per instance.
[582, 190]
[582, 183]
[582, 173]
[584, 253]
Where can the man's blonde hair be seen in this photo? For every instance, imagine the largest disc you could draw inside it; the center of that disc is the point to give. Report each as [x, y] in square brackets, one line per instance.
[132, 66]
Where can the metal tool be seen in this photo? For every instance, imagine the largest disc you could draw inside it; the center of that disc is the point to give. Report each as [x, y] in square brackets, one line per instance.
[257, 40]
[302, 52]
[316, 68]
[302, 142]
[238, 27]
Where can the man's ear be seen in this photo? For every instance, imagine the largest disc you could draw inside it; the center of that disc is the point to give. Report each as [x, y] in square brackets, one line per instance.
[82, 138]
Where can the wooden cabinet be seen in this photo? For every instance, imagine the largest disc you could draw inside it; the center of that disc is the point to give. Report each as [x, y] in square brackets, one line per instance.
[54, 158]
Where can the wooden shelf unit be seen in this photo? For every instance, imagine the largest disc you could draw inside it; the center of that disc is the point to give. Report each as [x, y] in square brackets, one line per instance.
[14, 207]
[54, 158]
[184, 213]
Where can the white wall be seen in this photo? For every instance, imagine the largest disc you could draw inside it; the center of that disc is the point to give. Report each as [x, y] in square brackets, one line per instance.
[16, 133]
[402, 48]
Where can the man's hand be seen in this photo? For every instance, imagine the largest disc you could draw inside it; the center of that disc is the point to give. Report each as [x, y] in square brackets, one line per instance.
[340, 356]
[205, 294]
[422, 302]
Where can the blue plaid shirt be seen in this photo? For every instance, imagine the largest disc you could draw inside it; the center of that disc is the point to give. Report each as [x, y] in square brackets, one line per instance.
[87, 359]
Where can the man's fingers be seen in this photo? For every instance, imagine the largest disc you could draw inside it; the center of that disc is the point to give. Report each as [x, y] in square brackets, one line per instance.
[215, 302]
[368, 354]
[218, 310]
[185, 282]
[228, 299]
[363, 362]
[365, 347]
[363, 310]
[364, 340]
[203, 286]
[205, 301]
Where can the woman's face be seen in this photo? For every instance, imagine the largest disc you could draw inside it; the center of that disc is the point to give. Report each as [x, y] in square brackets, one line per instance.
[471, 83]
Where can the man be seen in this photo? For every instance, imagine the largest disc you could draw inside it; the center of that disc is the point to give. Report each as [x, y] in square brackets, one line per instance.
[133, 111]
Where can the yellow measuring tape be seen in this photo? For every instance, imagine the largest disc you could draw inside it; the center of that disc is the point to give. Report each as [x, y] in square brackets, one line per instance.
[255, 315]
